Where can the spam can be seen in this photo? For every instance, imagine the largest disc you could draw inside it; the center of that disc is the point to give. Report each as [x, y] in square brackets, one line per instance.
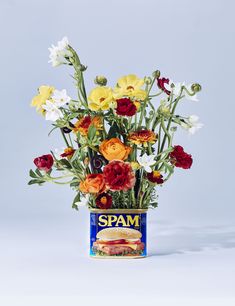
[118, 233]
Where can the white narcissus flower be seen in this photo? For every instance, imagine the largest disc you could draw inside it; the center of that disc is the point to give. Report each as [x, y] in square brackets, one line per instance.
[146, 161]
[59, 52]
[174, 87]
[53, 113]
[60, 98]
[192, 124]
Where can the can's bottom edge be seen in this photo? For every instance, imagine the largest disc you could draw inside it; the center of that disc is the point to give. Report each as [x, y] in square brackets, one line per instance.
[117, 257]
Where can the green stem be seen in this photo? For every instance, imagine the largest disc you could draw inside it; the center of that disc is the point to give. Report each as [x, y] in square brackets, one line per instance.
[70, 139]
[170, 120]
[165, 131]
[159, 139]
[158, 94]
[145, 102]
[66, 141]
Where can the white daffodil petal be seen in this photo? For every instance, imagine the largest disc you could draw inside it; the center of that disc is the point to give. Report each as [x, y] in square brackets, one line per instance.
[59, 52]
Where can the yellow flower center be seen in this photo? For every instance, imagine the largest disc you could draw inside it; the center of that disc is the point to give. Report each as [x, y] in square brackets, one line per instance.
[102, 99]
[103, 200]
[156, 174]
[130, 88]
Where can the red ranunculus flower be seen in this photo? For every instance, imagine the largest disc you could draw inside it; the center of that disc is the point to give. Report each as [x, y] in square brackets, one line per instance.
[125, 107]
[181, 159]
[119, 175]
[161, 84]
[103, 201]
[155, 177]
[44, 162]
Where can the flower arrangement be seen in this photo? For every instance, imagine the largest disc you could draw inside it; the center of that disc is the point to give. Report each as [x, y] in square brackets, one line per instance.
[119, 140]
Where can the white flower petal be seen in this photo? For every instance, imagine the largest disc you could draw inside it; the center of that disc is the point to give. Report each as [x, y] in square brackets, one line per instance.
[59, 52]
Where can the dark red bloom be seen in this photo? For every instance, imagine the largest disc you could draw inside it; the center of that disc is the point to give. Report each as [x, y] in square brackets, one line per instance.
[44, 162]
[104, 201]
[180, 159]
[155, 177]
[119, 175]
[125, 107]
[68, 152]
[161, 84]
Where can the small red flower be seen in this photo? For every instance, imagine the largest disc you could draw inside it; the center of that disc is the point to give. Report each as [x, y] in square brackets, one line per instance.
[181, 159]
[44, 162]
[104, 201]
[125, 107]
[155, 177]
[68, 152]
[161, 84]
[119, 175]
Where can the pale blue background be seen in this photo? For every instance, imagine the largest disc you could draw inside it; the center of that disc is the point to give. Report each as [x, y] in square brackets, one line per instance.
[188, 41]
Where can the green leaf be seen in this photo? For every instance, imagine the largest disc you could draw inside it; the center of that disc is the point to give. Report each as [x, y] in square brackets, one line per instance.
[75, 156]
[76, 199]
[65, 163]
[32, 174]
[38, 172]
[91, 132]
[31, 182]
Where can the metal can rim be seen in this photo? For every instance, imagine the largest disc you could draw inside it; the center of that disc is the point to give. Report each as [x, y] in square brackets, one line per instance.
[124, 211]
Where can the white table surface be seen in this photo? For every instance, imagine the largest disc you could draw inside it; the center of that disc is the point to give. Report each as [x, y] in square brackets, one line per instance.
[45, 261]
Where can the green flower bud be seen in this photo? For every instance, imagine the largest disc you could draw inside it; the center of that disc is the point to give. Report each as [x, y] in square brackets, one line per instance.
[100, 80]
[82, 67]
[173, 128]
[164, 111]
[74, 106]
[156, 74]
[147, 80]
[196, 87]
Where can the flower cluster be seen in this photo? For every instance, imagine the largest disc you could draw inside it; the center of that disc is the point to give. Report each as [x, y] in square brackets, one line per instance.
[118, 138]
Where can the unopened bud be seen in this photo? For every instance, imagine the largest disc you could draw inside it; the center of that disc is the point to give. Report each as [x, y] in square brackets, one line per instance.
[86, 161]
[196, 87]
[100, 80]
[147, 80]
[164, 111]
[82, 67]
[173, 128]
[156, 74]
[135, 165]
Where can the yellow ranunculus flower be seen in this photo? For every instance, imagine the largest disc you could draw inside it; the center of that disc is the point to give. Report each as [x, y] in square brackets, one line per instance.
[100, 98]
[44, 93]
[130, 86]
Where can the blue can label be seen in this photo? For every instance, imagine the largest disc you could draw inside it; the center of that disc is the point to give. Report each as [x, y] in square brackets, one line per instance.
[118, 234]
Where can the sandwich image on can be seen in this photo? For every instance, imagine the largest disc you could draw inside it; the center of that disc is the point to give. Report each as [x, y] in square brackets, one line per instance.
[118, 241]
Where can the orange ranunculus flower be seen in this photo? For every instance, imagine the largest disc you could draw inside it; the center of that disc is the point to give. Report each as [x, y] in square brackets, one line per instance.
[142, 137]
[114, 149]
[94, 183]
[83, 124]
